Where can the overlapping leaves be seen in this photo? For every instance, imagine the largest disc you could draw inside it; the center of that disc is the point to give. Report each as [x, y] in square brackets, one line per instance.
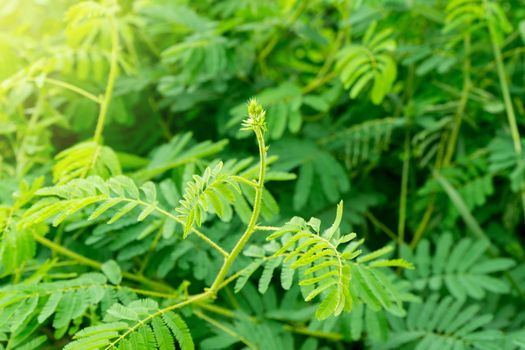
[213, 190]
[463, 267]
[444, 324]
[120, 192]
[327, 269]
[137, 325]
[369, 63]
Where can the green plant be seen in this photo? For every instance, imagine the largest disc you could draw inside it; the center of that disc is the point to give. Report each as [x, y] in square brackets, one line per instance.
[328, 270]
[137, 212]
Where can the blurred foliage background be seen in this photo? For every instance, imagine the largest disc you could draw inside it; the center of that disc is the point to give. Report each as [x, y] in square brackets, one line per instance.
[411, 111]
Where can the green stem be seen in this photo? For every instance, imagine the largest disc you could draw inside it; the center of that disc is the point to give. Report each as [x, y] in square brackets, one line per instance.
[458, 118]
[507, 100]
[224, 328]
[218, 283]
[431, 206]
[424, 222]
[194, 230]
[113, 70]
[452, 140]
[73, 88]
[194, 299]
[250, 229]
[151, 250]
[22, 162]
[95, 264]
[377, 223]
[324, 76]
[316, 334]
[150, 293]
[296, 329]
[404, 190]
[275, 38]
[244, 180]
[267, 228]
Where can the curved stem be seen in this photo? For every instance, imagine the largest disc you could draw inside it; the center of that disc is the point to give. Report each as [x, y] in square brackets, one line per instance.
[113, 70]
[73, 88]
[377, 223]
[95, 264]
[194, 230]
[250, 229]
[219, 310]
[224, 328]
[324, 75]
[245, 181]
[191, 300]
[275, 39]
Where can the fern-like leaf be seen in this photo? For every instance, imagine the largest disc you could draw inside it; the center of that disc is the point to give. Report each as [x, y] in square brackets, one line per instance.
[465, 15]
[62, 300]
[444, 324]
[17, 245]
[83, 159]
[180, 151]
[138, 325]
[364, 141]
[369, 63]
[213, 191]
[319, 171]
[180, 330]
[462, 267]
[326, 269]
[120, 192]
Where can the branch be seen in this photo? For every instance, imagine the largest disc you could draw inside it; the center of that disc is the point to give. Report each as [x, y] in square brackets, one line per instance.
[97, 265]
[113, 70]
[250, 229]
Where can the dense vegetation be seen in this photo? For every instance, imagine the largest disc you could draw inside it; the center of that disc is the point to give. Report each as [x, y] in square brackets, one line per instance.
[190, 174]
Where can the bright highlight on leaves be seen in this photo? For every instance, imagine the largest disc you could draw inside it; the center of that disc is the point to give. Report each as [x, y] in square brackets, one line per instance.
[138, 325]
[214, 190]
[328, 270]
